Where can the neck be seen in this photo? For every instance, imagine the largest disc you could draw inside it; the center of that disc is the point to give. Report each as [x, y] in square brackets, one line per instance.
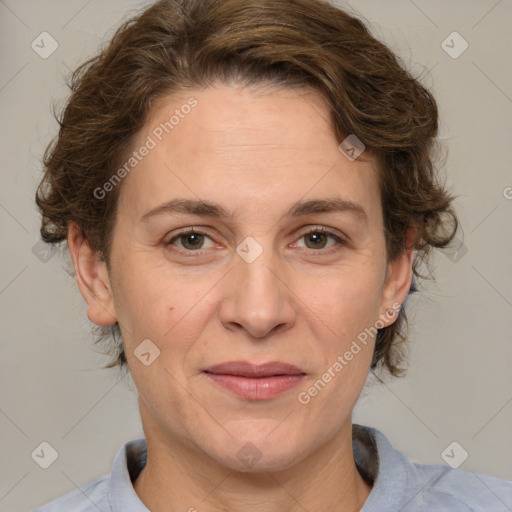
[178, 477]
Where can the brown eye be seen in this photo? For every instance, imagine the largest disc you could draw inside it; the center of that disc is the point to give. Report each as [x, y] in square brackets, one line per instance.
[317, 239]
[189, 240]
[192, 241]
[316, 242]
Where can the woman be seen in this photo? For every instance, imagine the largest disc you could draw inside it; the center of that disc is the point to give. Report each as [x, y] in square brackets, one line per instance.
[247, 191]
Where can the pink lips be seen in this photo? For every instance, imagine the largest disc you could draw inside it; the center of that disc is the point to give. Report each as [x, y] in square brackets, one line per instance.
[255, 382]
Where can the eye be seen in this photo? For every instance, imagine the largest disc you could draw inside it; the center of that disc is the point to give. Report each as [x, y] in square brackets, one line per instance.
[317, 238]
[191, 240]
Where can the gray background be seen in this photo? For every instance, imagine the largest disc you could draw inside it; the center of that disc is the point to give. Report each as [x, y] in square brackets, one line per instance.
[459, 384]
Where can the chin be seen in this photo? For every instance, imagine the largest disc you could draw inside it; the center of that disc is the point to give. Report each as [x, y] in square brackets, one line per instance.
[256, 451]
[250, 459]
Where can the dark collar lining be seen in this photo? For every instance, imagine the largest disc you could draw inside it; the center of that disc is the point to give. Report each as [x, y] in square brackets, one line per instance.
[136, 460]
[365, 453]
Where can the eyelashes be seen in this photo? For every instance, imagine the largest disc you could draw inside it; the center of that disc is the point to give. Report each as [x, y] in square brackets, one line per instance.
[188, 232]
[193, 237]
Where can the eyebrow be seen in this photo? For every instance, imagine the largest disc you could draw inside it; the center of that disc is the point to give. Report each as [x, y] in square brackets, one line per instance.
[215, 210]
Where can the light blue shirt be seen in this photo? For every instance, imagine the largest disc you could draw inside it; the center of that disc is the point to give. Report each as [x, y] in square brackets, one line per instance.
[399, 484]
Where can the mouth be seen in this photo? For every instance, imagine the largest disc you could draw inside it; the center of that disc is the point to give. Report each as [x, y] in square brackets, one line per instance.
[255, 382]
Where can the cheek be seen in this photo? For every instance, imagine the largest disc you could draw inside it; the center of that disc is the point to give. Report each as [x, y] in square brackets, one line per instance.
[168, 308]
[344, 301]
[343, 315]
[140, 301]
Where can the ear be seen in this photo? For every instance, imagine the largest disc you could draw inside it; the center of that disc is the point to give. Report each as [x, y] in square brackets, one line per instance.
[92, 277]
[398, 281]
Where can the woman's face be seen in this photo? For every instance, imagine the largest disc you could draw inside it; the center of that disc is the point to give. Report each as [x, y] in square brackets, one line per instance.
[251, 285]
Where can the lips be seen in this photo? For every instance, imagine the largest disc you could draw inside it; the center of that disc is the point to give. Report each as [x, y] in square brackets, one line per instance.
[255, 382]
[246, 369]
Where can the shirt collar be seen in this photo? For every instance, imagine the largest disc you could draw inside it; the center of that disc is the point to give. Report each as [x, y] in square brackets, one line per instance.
[374, 456]
[129, 460]
[392, 478]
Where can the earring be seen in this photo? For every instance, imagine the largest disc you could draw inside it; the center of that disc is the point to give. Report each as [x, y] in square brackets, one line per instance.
[391, 312]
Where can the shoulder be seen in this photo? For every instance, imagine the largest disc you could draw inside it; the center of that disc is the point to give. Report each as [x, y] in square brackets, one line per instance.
[411, 486]
[112, 492]
[453, 489]
[88, 498]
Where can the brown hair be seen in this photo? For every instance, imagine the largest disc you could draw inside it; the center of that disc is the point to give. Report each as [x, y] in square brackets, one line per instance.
[178, 44]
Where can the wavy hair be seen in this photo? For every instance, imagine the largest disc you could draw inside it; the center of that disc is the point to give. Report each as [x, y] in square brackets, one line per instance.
[178, 44]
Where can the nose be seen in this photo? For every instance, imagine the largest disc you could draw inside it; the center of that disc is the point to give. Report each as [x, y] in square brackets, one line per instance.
[257, 298]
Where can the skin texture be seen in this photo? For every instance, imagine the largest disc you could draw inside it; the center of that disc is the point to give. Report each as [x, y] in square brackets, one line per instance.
[302, 301]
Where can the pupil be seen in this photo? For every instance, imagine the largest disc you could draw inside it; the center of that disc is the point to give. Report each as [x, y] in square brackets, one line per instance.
[193, 244]
[317, 236]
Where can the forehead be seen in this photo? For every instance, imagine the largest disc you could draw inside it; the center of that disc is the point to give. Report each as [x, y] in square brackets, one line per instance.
[253, 149]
